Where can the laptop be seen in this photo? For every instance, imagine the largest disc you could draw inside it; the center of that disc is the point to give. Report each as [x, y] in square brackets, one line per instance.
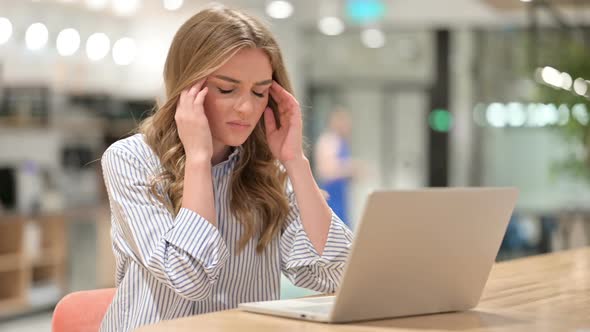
[414, 252]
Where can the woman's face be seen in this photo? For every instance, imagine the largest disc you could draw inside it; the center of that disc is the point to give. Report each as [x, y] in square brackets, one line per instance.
[238, 95]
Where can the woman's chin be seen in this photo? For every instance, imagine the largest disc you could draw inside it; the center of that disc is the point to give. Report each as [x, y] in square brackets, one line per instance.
[235, 140]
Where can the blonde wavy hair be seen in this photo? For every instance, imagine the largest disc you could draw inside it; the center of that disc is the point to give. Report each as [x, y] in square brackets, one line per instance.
[202, 45]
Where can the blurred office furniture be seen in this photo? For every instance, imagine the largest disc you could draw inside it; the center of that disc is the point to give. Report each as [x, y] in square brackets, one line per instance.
[8, 185]
[105, 259]
[76, 157]
[26, 105]
[540, 293]
[527, 234]
[32, 262]
[573, 228]
[540, 232]
[82, 311]
[50, 147]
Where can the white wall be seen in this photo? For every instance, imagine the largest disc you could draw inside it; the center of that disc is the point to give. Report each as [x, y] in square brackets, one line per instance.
[462, 137]
[409, 145]
[522, 158]
[344, 57]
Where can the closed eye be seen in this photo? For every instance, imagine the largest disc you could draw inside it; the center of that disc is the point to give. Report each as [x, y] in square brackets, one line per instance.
[222, 91]
[225, 91]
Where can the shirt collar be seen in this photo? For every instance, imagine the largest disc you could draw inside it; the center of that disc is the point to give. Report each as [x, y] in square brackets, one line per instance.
[227, 165]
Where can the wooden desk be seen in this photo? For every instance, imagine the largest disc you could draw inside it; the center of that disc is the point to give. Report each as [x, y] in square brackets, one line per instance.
[542, 293]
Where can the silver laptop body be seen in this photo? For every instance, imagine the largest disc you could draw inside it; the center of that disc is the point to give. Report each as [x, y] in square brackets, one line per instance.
[414, 252]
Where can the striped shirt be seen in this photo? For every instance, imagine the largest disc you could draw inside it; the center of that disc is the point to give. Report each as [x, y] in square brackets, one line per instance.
[174, 266]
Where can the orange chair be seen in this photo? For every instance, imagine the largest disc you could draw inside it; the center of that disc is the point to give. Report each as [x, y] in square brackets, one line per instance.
[82, 311]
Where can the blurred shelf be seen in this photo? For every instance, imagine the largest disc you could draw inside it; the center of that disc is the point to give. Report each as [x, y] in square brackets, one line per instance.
[4, 126]
[11, 262]
[44, 295]
[32, 263]
[93, 211]
[46, 260]
[12, 307]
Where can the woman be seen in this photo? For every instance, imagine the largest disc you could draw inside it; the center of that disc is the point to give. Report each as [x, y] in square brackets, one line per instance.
[214, 198]
[335, 167]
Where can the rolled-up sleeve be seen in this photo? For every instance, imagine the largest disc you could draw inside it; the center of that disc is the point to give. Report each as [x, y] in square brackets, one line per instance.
[300, 261]
[185, 252]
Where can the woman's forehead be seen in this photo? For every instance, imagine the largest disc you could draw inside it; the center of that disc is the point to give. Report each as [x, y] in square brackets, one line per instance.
[247, 66]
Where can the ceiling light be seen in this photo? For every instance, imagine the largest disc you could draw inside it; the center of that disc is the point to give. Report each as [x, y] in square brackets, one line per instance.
[279, 9]
[36, 36]
[68, 42]
[97, 46]
[331, 26]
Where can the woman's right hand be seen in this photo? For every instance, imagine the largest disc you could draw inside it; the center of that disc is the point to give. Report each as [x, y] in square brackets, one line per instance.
[192, 124]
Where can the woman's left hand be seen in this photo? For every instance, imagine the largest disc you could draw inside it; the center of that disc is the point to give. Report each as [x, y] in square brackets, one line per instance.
[286, 143]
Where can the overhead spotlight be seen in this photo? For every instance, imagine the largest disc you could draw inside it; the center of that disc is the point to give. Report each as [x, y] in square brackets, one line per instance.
[97, 4]
[580, 86]
[566, 81]
[68, 42]
[373, 38]
[97, 46]
[516, 114]
[5, 30]
[36, 36]
[279, 9]
[551, 76]
[124, 51]
[580, 113]
[125, 7]
[496, 115]
[331, 25]
[173, 5]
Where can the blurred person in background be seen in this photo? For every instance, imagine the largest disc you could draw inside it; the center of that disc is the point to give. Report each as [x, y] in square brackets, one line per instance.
[213, 197]
[335, 166]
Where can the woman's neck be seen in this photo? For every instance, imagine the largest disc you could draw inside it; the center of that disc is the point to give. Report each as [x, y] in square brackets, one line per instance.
[220, 152]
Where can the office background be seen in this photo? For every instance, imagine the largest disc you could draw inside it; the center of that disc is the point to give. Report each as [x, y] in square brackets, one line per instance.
[440, 93]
